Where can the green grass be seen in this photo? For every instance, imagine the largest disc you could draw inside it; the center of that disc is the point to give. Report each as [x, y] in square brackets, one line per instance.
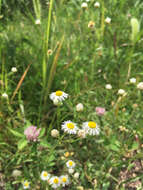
[82, 62]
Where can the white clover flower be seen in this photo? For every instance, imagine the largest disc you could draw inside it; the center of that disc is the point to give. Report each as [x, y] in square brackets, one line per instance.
[84, 5]
[55, 133]
[16, 173]
[91, 128]
[87, 0]
[45, 175]
[69, 127]
[121, 92]
[55, 182]
[70, 164]
[133, 80]
[79, 107]
[71, 171]
[76, 175]
[38, 21]
[26, 185]
[14, 69]
[4, 95]
[140, 86]
[97, 4]
[108, 20]
[58, 96]
[64, 180]
[108, 86]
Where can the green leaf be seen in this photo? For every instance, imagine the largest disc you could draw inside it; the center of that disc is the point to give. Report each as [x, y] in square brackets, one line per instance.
[22, 143]
[16, 133]
[44, 143]
[42, 132]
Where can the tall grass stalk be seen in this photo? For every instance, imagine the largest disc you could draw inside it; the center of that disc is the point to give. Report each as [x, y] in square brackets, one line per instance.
[45, 46]
[0, 5]
[37, 8]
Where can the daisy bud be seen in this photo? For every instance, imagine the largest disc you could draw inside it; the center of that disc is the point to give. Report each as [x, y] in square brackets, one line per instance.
[121, 92]
[55, 133]
[38, 21]
[97, 5]
[71, 171]
[79, 107]
[84, 5]
[49, 52]
[91, 24]
[95, 182]
[66, 154]
[14, 69]
[133, 80]
[16, 173]
[4, 95]
[76, 175]
[79, 188]
[108, 20]
[108, 86]
[140, 86]
[81, 133]
[100, 111]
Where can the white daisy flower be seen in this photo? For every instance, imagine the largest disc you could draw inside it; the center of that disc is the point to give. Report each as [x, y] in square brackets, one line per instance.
[26, 185]
[91, 128]
[70, 164]
[64, 180]
[69, 127]
[55, 182]
[133, 80]
[58, 96]
[108, 20]
[45, 175]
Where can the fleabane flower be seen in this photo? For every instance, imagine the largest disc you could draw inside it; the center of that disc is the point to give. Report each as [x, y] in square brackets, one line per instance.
[70, 164]
[45, 175]
[133, 80]
[69, 127]
[55, 182]
[91, 128]
[32, 133]
[26, 185]
[64, 180]
[108, 20]
[58, 96]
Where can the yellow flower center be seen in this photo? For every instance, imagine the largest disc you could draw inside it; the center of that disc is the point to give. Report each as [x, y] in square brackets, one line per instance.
[56, 180]
[70, 125]
[59, 93]
[64, 179]
[26, 184]
[45, 174]
[70, 163]
[92, 124]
